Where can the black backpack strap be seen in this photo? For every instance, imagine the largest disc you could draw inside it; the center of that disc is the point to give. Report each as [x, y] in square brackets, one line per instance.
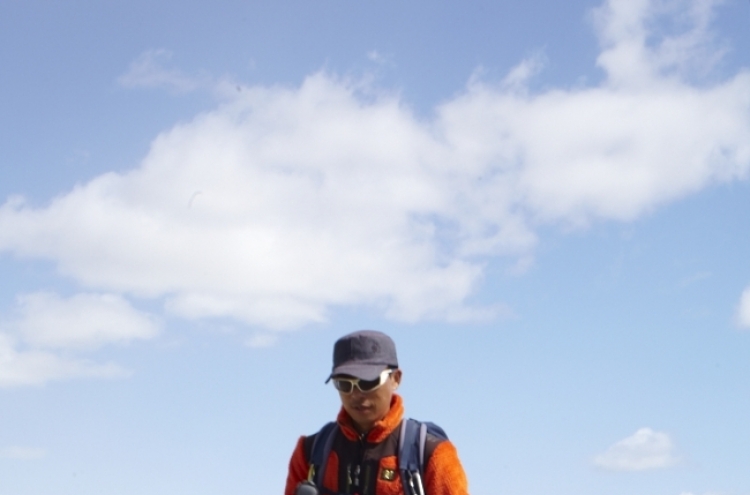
[321, 450]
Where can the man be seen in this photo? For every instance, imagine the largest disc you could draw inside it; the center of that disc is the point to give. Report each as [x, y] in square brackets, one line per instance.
[363, 458]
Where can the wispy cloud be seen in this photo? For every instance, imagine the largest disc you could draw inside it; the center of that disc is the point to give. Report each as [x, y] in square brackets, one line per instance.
[45, 338]
[380, 58]
[743, 311]
[36, 367]
[645, 450]
[261, 340]
[284, 203]
[22, 453]
[82, 321]
[694, 279]
[150, 70]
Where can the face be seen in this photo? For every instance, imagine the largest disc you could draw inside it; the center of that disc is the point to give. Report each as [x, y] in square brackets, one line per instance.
[367, 408]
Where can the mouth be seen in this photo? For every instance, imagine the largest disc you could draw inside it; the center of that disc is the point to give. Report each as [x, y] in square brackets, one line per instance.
[362, 408]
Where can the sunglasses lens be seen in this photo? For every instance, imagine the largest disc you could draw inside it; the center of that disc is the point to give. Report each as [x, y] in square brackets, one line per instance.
[343, 385]
[367, 385]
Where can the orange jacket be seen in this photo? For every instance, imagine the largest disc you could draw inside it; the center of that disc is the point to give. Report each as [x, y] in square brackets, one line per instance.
[443, 474]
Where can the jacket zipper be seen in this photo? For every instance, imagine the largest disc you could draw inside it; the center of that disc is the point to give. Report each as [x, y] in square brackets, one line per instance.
[364, 487]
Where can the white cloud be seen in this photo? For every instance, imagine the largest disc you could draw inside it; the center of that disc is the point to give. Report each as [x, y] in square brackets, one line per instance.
[44, 341]
[646, 449]
[22, 453]
[83, 321]
[743, 312]
[149, 71]
[286, 202]
[307, 199]
[635, 52]
[35, 367]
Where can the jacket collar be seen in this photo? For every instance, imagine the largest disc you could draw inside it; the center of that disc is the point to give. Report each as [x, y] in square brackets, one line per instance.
[381, 429]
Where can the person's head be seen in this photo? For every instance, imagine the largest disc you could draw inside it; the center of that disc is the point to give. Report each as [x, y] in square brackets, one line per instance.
[366, 374]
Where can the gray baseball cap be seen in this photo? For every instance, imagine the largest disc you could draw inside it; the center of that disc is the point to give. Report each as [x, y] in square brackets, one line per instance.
[363, 354]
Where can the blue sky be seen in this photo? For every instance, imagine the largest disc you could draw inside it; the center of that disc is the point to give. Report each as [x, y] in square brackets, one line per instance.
[545, 204]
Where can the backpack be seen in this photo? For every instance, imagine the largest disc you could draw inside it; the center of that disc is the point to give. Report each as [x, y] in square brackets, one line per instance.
[411, 449]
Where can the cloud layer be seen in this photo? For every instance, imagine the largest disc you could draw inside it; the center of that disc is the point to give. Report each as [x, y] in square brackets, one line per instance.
[646, 449]
[284, 203]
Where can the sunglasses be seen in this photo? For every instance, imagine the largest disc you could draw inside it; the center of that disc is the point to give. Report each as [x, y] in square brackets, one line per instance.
[346, 385]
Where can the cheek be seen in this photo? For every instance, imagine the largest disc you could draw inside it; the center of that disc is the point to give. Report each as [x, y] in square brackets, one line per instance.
[346, 401]
[384, 399]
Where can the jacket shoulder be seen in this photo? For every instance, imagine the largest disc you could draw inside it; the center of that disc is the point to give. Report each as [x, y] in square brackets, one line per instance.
[435, 436]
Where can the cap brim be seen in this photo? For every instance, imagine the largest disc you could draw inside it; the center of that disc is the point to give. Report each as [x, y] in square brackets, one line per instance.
[359, 370]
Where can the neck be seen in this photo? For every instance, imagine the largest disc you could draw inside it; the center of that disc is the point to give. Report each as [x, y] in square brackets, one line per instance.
[361, 428]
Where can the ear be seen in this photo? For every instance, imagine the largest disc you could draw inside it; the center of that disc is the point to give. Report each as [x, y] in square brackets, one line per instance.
[396, 376]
